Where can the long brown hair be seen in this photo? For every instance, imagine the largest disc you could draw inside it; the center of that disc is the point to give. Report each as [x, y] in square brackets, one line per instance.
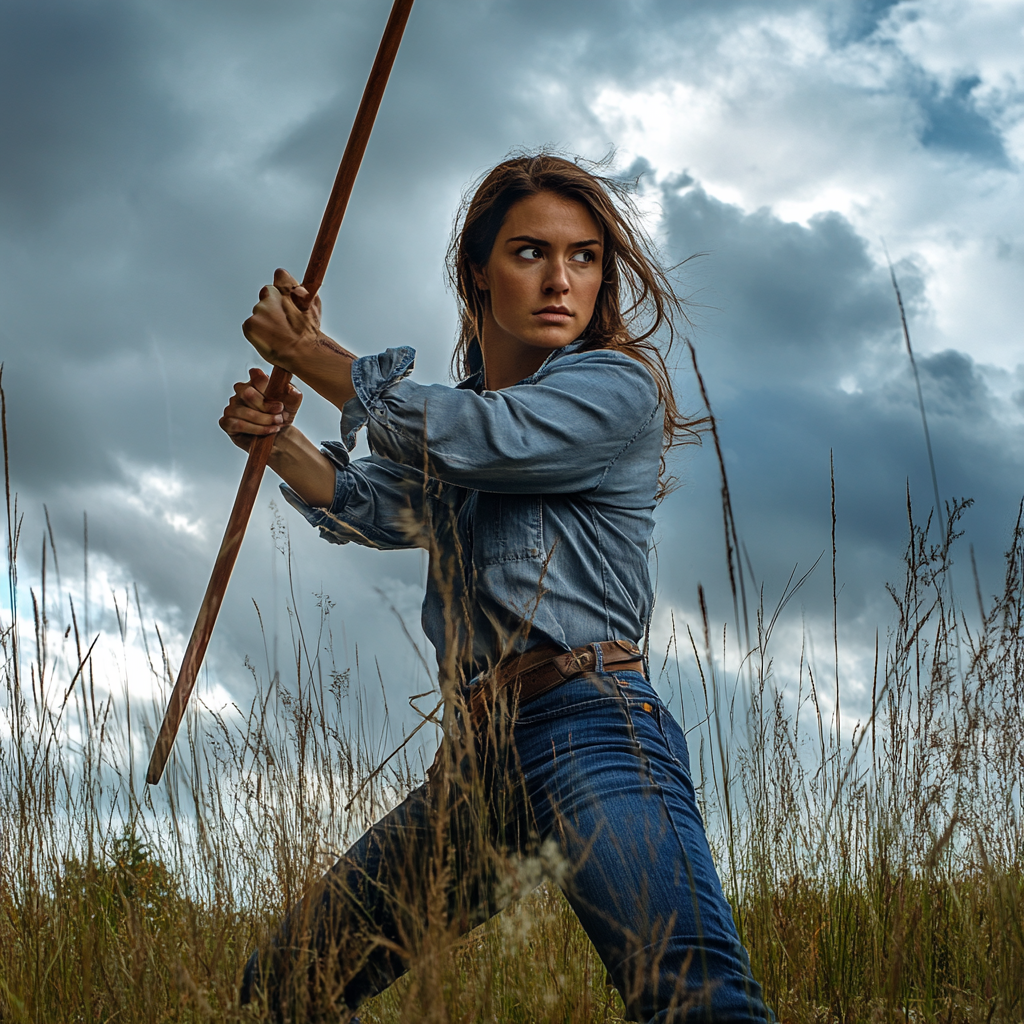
[631, 271]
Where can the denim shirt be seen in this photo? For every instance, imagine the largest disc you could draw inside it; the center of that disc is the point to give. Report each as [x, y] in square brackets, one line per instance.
[535, 502]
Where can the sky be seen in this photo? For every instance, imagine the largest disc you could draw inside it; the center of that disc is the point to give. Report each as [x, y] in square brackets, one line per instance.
[162, 157]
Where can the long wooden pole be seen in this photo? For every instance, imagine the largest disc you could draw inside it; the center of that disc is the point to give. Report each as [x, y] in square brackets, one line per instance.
[260, 449]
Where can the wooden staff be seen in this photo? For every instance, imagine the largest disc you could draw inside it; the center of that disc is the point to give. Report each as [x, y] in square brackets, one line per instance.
[260, 449]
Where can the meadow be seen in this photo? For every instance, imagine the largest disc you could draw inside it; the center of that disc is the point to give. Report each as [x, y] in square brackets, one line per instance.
[875, 874]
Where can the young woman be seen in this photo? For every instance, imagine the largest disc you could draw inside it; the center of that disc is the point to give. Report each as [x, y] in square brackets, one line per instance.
[532, 484]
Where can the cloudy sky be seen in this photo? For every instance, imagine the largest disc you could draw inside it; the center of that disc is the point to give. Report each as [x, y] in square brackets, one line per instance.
[162, 157]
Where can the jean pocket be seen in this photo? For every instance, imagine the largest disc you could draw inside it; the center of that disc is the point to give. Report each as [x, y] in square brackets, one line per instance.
[564, 705]
[673, 737]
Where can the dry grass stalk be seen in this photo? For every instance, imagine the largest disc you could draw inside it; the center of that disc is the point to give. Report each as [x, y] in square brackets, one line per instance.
[874, 877]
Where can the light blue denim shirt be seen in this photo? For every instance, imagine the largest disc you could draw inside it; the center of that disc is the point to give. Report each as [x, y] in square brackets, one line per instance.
[535, 502]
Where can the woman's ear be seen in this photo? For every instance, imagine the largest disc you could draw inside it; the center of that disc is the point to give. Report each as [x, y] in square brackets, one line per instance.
[480, 278]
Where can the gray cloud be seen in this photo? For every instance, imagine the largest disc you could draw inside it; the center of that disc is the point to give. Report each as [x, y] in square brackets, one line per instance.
[85, 114]
[807, 298]
[803, 357]
[161, 161]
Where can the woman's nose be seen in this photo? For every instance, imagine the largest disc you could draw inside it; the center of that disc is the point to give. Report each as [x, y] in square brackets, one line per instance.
[557, 279]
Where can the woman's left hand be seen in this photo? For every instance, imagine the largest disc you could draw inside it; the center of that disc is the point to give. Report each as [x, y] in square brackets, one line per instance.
[278, 329]
[248, 415]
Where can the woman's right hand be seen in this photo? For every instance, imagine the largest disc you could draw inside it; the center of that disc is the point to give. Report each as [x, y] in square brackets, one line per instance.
[247, 415]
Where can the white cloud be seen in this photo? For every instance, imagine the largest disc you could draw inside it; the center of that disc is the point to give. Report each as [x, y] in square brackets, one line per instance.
[952, 39]
[776, 116]
[161, 495]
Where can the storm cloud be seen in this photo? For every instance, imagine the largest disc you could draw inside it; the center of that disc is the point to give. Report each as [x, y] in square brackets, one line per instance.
[161, 159]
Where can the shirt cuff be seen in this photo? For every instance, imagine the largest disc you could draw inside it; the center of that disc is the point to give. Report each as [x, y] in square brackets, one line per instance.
[371, 377]
[327, 520]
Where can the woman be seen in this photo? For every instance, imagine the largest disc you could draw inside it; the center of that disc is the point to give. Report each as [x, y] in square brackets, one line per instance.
[532, 484]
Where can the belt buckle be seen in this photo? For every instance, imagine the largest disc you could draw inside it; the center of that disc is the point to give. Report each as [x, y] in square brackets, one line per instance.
[574, 662]
[586, 659]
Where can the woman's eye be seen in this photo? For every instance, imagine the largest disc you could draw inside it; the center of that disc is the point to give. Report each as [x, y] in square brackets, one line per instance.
[586, 256]
[530, 252]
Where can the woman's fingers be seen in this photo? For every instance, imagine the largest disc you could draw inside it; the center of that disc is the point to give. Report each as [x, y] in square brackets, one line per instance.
[284, 282]
[250, 396]
[245, 410]
[240, 411]
[258, 378]
[257, 383]
[268, 323]
[287, 285]
[248, 414]
[292, 401]
[242, 423]
[278, 329]
[253, 393]
[232, 422]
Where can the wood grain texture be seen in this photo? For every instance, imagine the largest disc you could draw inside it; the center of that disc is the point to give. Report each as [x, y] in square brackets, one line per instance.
[260, 450]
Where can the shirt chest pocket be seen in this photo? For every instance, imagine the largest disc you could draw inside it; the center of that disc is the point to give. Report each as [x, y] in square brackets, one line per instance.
[508, 528]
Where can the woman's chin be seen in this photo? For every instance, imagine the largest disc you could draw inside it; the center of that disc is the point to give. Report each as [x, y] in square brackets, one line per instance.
[551, 338]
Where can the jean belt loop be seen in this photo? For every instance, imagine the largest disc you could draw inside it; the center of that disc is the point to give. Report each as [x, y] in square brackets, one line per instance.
[598, 657]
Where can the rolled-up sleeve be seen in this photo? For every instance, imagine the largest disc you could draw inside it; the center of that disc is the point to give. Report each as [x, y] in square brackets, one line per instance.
[557, 432]
[377, 503]
[372, 376]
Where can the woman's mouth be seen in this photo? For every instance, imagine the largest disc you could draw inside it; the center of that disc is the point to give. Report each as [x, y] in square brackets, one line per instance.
[554, 315]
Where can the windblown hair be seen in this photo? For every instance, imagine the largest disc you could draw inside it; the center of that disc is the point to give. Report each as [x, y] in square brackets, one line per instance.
[636, 301]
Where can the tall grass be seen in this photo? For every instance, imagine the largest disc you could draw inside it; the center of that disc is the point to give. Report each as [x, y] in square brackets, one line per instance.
[876, 875]
[881, 874]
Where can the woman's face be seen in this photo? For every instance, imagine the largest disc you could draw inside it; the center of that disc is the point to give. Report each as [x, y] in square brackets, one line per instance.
[542, 279]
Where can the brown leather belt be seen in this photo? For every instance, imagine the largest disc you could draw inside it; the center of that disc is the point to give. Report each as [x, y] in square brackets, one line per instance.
[531, 675]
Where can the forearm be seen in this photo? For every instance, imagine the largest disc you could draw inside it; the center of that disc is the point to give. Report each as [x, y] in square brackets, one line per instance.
[303, 467]
[326, 367]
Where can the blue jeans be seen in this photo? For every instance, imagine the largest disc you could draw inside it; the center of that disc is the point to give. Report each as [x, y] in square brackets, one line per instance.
[599, 766]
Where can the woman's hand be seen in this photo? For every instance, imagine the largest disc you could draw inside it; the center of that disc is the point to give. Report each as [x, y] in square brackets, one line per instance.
[290, 338]
[248, 415]
[278, 329]
[294, 458]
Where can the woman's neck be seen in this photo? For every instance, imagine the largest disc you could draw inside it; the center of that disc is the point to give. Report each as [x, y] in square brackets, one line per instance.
[507, 360]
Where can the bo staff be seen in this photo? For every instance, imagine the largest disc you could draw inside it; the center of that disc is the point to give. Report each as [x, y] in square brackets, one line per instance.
[259, 451]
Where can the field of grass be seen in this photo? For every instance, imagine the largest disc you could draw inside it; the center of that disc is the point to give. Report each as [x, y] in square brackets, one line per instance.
[874, 876]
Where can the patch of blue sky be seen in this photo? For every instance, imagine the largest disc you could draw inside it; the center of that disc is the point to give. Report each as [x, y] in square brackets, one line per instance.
[953, 122]
[864, 17]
